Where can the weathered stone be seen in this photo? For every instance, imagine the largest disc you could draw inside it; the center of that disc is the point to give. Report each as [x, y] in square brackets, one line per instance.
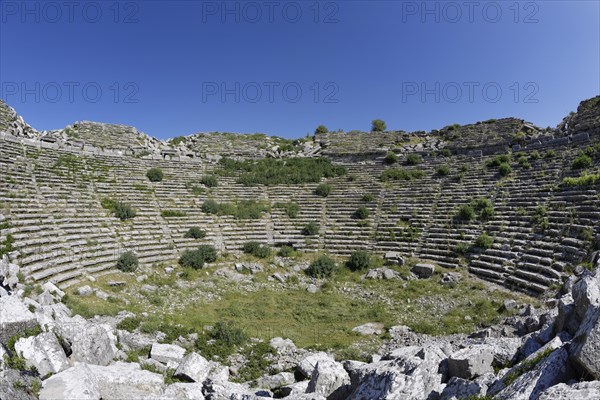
[127, 381]
[329, 379]
[193, 367]
[423, 270]
[91, 343]
[471, 362]
[312, 288]
[370, 328]
[393, 258]
[458, 388]
[76, 383]
[43, 352]
[576, 391]
[450, 278]
[510, 305]
[15, 317]
[276, 381]
[85, 290]
[166, 353]
[184, 391]
[586, 344]
[307, 365]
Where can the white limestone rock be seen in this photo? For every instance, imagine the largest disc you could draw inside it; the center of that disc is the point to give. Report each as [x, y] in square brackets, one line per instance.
[75, 383]
[576, 391]
[370, 328]
[166, 353]
[184, 391]
[329, 379]
[276, 381]
[423, 270]
[471, 362]
[15, 317]
[127, 381]
[43, 352]
[308, 363]
[586, 344]
[85, 291]
[91, 343]
[193, 367]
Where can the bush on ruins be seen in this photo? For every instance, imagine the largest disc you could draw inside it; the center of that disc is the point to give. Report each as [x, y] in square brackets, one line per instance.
[359, 260]
[256, 249]
[322, 267]
[195, 233]
[209, 181]
[128, 262]
[323, 190]
[378, 125]
[196, 258]
[154, 174]
[310, 229]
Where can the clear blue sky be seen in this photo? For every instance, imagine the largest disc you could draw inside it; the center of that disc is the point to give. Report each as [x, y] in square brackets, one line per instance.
[176, 67]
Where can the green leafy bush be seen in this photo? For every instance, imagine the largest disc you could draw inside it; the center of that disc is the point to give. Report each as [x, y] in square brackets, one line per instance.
[323, 190]
[443, 170]
[195, 233]
[391, 158]
[286, 251]
[484, 241]
[466, 213]
[582, 161]
[120, 210]
[322, 267]
[221, 341]
[398, 174]
[127, 262]
[359, 260]
[413, 159]
[209, 181]
[291, 171]
[367, 198]
[196, 258]
[550, 154]
[210, 206]
[129, 324]
[291, 209]
[321, 129]
[256, 249]
[498, 160]
[361, 213]
[310, 229]
[504, 169]
[585, 179]
[154, 174]
[378, 125]
[172, 213]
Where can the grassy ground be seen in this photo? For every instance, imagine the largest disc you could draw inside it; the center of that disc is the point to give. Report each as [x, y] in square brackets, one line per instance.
[264, 308]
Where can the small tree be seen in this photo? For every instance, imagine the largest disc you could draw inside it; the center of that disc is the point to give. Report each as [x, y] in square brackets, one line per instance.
[195, 233]
[310, 229]
[361, 213]
[196, 258]
[443, 170]
[413, 159]
[582, 161]
[210, 206]
[322, 267]
[504, 169]
[128, 262]
[154, 174]
[391, 158]
[484, 241]
[209, 181]
[378, 125]
[359, 260]
[257, 249]
[323, 190]
[123, 211]
[321, 129]
[466, 213]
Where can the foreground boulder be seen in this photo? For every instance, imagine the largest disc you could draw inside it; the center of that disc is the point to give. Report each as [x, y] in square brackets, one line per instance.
[577, 391]
[423, 271]
[329, 379]
[15, 317]
[76, 383]
[43, 352]
[167, 353]
[471, 362]
[127, 381]
[194, 368]
[91, 343]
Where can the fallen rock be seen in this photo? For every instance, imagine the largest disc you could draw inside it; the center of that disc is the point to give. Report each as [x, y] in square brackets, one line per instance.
[471, 362]
[329, 379]
[15, 317]
[43, 352]
[458, 388]
[276, 381]
[85, 290]
[312, 288]
[370, 328]
[450, 278]
[184, 391]
[393, 258]
[576, 391]
[308, 364]
[586, 344]
[127, 381]
[91, 343]
[76, 383]
[193, 367]
[423, 271]
[166, 353]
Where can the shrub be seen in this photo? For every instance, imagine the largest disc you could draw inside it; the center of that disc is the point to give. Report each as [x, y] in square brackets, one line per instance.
[310, 229]
[397, 174]
[195, 233]
[461, 249]
[209, 181]
[582, 161]
[196, 258]
[367, 198]
[321, 129]
[540, 219]
[466, 213]
[123, 211]
[154, 174]
[378, 125]
[291, 209]
[535, 155]
[413, 159]
[128, 262]
[359, 260]
[269, 171]
[286, 251]
[129, 324]
[323, 190]
[443, 170]
[210, 206]
[361, 213]
[446, 152]
[504, 169]
[172, 213]
[391, 158]
[498, 160]
[220, 341]
[584, 179]
[550, 154]
[256, 249]
[322, 267]
[484, 241]
[484, 207]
